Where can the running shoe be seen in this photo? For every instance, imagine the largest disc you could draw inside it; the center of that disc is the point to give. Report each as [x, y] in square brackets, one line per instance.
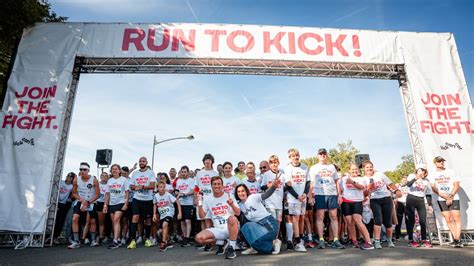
[207, 248]
[458, 244]
[300, 247]
[377, 244]
[337, 244]
[220, 250]
[322, 244]
[148, 243]
[249, 251]
[123, 241]
[74, 245]
[413, 244]
[163, 247]
[309, 244]
[366, 246]
[355, 244]
[132, 245]
[290, 246]
[426, 244]
[230, 253]
[86, 241]
[186, 244]
[94, 243]
[276, 247]
[114, 245]
[390, 243]
[139, 240]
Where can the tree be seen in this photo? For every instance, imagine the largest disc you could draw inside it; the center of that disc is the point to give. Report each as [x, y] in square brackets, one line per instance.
[404, 169]
[341, 155]
[16, 15]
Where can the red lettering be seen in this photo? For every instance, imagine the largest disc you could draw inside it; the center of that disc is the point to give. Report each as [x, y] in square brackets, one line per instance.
[304, 48]
[188, 43]
[151, 40]
[291, 43]
[246, 47]
[268, 42]
[338, 44]
[215, 34]
[139, 35]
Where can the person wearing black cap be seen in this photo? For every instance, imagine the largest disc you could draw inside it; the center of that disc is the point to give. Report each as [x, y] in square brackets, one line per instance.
[327, 196]
[445, 183]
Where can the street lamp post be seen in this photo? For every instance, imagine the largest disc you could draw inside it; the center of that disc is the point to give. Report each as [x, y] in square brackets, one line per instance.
[155, 142]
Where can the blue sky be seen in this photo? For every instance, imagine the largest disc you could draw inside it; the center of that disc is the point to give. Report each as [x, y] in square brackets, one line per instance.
[251, 117]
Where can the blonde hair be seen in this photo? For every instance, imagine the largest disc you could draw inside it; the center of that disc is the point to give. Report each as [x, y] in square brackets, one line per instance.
[293, 150]
[273, 158]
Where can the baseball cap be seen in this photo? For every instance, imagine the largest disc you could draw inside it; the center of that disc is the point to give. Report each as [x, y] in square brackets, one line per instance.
[322, 150]
[438, 159]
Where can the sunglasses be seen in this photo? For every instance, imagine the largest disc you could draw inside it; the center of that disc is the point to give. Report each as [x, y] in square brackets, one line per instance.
[263, 167]
[83, 169]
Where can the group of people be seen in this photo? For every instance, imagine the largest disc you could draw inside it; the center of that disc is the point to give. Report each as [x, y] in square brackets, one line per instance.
[305, 207]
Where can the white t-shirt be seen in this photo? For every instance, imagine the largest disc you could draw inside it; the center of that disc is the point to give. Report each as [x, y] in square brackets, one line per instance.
[380, 189]
[420, 188]
[185, 186]
[229, 184]
[102, 191]
[444, 181]
[169, 188]
[324, 177]
[404, 191]
[117, 187]
[203, 181]
[254, 187]
[64, 191]
[350, 192]
[164, 203]
[253, 208]
[275, 201]
[139, 178]
[219, 209]
[297, 175]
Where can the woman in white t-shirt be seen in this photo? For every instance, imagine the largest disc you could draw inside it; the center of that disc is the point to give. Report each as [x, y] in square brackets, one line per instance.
[353, 187]
[380, 202]
[419, 188]
[261, 227]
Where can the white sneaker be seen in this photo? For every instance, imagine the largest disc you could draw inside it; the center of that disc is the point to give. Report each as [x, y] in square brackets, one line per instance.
[276, 247]
[139, 240]
[74, 245]
[249, 251]
[154, 241]
[86, 241]
[300, 247]
[123, 242]
[94, 243]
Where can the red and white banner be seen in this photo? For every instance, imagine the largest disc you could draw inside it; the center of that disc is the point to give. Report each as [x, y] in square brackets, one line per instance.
[32, 115]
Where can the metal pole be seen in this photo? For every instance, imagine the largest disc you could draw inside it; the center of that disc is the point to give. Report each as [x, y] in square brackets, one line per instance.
[153, 154]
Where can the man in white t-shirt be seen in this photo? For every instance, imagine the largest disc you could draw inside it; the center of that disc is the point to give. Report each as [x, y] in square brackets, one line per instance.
[142, 183]
[327, 196]
[297, 185]
[445, 183]
[203, 186]
[223, 209]
[185, 188]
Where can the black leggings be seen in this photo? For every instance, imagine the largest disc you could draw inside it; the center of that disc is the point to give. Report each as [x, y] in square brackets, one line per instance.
[382, 209]
[418, 203]
[400, 213]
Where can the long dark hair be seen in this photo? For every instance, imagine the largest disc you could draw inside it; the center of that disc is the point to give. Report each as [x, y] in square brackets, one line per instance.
[246, 191]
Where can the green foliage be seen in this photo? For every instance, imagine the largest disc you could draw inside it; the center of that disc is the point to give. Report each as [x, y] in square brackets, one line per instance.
[341, 155]
[404, 169]
[15, 15]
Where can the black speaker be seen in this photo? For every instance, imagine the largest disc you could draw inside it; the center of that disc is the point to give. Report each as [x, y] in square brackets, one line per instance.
[103, 157]
[359, 158]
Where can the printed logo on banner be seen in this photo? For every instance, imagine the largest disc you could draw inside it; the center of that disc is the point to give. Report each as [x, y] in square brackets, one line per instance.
[32, 112]
[448, 145]
[24, 141]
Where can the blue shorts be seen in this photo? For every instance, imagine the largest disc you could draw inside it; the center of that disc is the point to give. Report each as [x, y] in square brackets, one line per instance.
[325, 202]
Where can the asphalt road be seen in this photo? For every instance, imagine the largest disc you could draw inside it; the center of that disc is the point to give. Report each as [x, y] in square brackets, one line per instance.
[401, 255]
